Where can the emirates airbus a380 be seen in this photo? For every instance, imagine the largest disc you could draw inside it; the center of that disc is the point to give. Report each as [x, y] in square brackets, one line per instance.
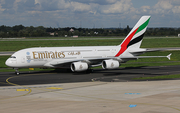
[83, 58]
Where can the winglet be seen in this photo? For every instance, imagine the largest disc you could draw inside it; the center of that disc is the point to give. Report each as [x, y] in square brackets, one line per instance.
[169, 56]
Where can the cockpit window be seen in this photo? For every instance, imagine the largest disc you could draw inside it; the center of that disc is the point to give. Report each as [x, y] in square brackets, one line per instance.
[12, 57]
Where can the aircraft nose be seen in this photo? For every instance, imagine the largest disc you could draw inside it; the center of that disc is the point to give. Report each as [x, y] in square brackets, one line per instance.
[8, 62]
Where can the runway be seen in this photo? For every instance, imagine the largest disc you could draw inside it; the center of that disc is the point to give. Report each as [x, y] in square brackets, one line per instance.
[103, 91]
[6, 53]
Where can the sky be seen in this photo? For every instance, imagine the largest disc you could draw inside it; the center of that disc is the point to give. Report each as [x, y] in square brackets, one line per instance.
[89, 13]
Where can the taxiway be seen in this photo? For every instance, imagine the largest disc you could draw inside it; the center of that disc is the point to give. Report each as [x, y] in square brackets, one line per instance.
[66, 76]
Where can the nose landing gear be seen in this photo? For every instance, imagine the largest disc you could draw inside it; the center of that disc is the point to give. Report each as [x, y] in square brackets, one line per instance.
[16, 71]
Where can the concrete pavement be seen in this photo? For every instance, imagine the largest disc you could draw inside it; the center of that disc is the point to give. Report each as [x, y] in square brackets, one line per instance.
[93, 97]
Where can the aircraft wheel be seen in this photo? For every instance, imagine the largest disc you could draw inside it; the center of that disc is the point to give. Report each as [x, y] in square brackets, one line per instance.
[17, 73]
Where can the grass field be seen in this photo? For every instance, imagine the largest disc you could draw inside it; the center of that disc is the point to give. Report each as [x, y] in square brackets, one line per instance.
[150, 42]
[154, 42]
[12, 45]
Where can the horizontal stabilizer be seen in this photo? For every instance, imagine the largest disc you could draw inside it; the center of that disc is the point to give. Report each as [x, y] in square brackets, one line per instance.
[169, 56]
[137, 57]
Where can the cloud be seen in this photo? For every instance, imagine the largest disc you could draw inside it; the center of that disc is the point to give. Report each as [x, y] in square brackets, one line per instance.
[26, 5]
[76, 6]
[122, 6]
[145, 9]
[163, 6]
[71, 12]
[175, 2]
[176, 6]
[176, 10]
[99, 2]
[17, 6]
[7, 6]
[166, 7]
[55, 5]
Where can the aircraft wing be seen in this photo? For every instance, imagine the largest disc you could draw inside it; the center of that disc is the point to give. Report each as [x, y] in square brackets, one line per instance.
[97, 61]
[154, 49]
[163, 49]
[67, 63]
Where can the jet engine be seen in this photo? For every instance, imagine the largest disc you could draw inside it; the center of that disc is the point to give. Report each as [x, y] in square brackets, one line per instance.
[110, 64]
[79, 66]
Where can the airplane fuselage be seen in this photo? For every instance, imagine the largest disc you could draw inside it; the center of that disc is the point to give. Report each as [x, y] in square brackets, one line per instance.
[39, 57]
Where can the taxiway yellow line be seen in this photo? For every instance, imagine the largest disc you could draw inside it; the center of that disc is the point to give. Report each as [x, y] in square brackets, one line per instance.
[22, 89]
[26, 88]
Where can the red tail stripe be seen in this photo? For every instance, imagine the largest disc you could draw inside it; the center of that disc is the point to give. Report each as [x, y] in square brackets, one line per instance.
[125, 43]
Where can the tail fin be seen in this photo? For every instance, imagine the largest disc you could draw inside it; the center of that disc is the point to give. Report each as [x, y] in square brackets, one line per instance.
[134, 38]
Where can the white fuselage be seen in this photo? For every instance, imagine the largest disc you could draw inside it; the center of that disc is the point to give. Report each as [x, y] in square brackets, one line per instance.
[39, 57]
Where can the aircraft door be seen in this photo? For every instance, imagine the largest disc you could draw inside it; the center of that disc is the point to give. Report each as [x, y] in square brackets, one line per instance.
[23, 59]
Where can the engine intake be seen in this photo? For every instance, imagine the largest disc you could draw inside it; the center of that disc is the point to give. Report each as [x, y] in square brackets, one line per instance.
[110, 64]
[79, 66]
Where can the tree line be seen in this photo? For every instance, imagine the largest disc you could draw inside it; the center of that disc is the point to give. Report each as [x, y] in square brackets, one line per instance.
[40, 31]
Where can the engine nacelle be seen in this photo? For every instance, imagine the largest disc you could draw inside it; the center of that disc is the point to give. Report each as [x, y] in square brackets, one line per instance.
[110, 64]
[79, 66]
